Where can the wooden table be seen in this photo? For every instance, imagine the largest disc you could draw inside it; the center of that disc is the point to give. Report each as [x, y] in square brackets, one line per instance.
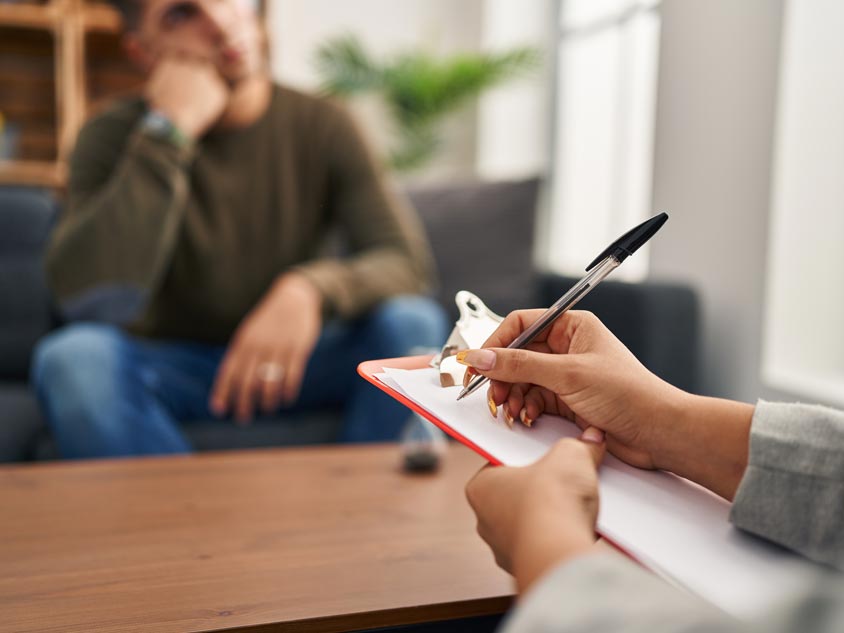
[308, 539]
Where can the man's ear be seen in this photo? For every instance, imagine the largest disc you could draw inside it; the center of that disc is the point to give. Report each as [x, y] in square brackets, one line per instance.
[137, 52]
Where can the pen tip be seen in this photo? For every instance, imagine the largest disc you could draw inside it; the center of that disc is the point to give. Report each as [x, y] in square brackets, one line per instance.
[462, 393]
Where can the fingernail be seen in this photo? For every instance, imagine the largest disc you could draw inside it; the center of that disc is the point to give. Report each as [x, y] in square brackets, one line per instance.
[523, 416]
[508, 418]
[593, 435]
[483, 359]
[493, 408]
[468, 375]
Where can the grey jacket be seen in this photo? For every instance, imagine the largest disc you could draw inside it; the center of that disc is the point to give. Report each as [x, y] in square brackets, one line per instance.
[792, 493]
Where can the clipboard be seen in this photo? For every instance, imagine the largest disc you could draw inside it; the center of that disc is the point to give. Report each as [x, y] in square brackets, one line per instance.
[368, 370]
[682, 532]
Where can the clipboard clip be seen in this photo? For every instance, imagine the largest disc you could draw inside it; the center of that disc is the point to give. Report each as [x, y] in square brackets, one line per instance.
[474, 326]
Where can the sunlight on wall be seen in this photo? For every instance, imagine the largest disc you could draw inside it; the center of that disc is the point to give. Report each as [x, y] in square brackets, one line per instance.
[803, 348]
[603, 142]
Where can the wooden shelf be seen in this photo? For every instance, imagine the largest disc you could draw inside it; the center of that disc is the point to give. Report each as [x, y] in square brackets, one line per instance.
[26, 15]
[96, 16]
[50, 174]
[46, 75]
[102, 18]
[58, 60]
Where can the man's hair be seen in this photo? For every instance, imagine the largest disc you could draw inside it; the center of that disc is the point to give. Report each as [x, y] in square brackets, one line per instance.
[131, 12]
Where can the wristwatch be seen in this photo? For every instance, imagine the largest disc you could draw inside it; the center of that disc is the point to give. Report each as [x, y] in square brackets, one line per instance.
[159, 125]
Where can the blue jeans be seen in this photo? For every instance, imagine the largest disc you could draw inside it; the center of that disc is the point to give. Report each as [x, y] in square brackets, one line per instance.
[106, 393]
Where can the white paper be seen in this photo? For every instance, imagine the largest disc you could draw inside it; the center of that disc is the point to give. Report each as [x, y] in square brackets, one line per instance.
[671, 525]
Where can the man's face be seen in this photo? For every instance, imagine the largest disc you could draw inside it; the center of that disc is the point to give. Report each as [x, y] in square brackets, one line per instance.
[223, 32]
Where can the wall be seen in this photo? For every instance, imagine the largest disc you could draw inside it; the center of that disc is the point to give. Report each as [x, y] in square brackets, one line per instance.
[715, 119]
[386, 27]
[804, 343]
[514, 119]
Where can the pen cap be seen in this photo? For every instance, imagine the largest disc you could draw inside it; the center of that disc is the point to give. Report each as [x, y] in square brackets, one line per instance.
[631, 241]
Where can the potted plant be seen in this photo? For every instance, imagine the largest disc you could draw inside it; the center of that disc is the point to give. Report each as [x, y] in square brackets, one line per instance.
[418, 89]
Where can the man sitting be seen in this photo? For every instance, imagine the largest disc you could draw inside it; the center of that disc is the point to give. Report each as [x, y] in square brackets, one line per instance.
[196, 220]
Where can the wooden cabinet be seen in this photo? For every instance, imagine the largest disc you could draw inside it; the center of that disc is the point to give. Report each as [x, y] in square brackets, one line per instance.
[58, 60]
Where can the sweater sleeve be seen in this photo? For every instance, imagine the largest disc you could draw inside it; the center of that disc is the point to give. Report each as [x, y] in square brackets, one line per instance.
[792, 492]
[126, 199]
[388, 250]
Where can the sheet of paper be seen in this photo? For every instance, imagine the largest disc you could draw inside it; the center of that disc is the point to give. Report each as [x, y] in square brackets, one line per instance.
[671, 525]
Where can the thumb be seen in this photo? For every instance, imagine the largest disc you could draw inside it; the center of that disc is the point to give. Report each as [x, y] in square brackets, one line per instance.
[550, 371]
[595, 441]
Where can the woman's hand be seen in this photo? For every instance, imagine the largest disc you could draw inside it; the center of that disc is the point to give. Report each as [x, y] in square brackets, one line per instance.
[534, 518]
[579, 370]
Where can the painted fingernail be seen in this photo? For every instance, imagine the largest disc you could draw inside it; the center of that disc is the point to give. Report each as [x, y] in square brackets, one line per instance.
[493, 408]
[468, 375]
[483, 359]
[508, 418]
[593, 435]
[523, 416]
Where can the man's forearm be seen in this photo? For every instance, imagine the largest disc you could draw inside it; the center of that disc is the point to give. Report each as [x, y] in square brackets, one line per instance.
[112, 247]
[351, 286]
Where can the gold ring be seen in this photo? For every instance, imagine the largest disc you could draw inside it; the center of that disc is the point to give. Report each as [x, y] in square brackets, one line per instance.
[270, 372]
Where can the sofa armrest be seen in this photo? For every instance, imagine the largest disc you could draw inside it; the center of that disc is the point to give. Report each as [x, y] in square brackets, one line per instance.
[659, 322]
[26, 218]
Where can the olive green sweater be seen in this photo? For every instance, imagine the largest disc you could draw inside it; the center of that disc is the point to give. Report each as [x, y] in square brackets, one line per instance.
[181, 242]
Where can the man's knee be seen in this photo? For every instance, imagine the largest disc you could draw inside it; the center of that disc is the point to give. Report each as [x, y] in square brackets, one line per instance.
[410, 321]
[79, 356]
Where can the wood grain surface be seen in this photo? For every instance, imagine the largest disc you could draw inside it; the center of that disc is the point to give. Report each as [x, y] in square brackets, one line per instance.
[307, 539]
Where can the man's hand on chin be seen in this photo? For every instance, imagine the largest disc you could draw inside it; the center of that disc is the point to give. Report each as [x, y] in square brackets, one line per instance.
[266, 359]
[189, 91]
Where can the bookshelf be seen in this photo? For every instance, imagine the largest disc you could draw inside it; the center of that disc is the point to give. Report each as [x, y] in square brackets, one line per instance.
[58, 60]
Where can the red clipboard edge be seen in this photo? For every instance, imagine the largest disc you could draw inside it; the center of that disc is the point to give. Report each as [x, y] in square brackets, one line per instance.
[367, 370]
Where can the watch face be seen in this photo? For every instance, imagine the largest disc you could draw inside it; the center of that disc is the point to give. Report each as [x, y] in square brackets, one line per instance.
[157, 123]
[160, 126]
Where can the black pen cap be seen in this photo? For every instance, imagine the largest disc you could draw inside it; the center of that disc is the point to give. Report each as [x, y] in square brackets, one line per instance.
[631, 241]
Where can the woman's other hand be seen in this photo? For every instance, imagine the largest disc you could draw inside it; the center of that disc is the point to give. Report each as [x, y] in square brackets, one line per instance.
[534, 518]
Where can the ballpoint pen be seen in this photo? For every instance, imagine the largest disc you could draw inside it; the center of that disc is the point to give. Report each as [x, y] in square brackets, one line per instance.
[609, 259]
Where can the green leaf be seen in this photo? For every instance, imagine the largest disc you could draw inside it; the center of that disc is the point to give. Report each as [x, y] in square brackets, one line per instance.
[346, 68]
[418, 89]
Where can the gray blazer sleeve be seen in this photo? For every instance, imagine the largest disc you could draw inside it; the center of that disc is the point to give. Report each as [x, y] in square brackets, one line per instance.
[792, 492]
[606, 593]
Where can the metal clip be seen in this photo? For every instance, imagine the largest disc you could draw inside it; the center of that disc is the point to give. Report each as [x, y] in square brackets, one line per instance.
[475, 325]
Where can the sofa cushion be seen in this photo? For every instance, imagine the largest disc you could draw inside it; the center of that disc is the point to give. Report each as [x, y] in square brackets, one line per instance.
[314, 427]
[26, 217]
[21, 422]
[482, 235]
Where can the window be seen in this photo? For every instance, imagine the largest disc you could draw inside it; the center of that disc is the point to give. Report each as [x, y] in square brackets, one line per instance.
[803, 346]
[607, 57]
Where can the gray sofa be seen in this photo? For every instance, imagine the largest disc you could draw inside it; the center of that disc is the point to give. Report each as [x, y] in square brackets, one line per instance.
[482, 236]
